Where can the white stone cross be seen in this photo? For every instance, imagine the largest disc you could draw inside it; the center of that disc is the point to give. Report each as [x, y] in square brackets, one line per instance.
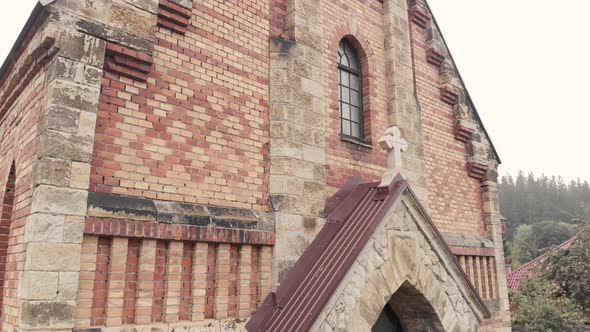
[392, 142]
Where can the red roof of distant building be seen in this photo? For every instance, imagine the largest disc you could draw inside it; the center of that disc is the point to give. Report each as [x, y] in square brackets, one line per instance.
[527, 270]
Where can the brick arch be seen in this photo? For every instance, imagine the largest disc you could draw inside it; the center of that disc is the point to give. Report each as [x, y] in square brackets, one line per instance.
[365, 53]
[6, 218]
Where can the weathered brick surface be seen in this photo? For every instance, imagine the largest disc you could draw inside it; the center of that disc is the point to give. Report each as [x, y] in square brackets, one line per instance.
[18, 145]
[362, 23]
[455, 202]
[197, 131]
[140, 281]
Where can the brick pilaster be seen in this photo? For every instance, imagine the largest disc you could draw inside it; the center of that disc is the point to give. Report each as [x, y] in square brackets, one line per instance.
[402, 101]
[297, 127]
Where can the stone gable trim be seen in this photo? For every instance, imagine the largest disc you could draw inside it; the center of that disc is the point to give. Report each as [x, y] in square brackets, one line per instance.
[177, 232]
[128, 62]
[113, 206]
[452, 87]
[473, 251]
[175, 15]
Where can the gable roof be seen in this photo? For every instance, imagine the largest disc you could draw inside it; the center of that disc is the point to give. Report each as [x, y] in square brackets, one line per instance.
[467, 95]
[353, 215]
[527, 270]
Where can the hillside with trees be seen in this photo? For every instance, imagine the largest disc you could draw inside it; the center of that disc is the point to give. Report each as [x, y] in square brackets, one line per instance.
[541, 211]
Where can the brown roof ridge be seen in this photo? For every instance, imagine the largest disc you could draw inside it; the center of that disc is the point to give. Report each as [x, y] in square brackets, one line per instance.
[515, 277]
[353, 214]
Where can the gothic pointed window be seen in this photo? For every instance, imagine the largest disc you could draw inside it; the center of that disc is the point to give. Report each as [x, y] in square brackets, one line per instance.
[350, 92]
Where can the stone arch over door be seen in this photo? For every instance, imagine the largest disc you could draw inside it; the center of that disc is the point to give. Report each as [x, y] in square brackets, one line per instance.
[403, 260]
[413, 310]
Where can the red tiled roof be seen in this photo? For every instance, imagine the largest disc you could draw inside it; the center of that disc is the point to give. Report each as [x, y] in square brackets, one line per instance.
[527, 270]
[353, 215]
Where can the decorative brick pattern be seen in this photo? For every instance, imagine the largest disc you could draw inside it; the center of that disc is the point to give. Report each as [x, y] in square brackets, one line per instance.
[131, 274]
[222, 281]
[462, 133]
[127, 62]
[145, 278]
[246, 282]
[481, 271]
[234, 263]
[173, 281]
[159, 291]
[173, 16]
[186, 282]
[116, 281]
[197, 130]
[476, 170]
[449, 95]
[455, 200]
[200, 277]
[99, 300]
[211, 281]
[418, 13]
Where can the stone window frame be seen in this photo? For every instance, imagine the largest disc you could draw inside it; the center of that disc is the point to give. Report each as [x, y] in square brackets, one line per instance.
[348, 51]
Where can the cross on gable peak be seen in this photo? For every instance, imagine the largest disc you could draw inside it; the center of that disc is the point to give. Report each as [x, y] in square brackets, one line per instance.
[394, 144]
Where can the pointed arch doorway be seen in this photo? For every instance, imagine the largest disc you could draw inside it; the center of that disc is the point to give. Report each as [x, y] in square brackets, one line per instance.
[408, 310]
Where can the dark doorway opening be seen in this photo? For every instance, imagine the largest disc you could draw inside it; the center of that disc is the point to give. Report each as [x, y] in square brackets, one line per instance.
[387, 321]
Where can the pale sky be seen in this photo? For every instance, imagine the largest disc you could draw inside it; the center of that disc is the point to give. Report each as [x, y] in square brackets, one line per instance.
[526, 64]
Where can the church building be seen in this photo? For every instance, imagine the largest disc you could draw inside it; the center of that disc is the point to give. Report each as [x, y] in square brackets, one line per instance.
[244, 165]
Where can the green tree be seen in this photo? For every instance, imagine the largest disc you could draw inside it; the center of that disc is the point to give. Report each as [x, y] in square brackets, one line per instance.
[533, 240]
[569, 269]
[535, 307]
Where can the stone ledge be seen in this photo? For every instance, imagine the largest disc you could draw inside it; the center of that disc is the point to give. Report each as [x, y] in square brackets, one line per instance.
[141, 209]
[473, 251]
[178, 232]
[463, 240]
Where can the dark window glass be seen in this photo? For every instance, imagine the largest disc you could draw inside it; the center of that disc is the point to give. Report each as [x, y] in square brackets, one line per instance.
[350, 96]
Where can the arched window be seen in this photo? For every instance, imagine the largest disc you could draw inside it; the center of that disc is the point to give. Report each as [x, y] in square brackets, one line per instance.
[350, 92]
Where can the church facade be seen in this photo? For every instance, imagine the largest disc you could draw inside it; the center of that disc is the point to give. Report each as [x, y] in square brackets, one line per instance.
[218, 165]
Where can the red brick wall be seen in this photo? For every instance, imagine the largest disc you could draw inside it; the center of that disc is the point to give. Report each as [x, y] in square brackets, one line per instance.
[168, 280]
[346, 159]
[18, 145]
[5, 220]
[197, 131]
[455, 202]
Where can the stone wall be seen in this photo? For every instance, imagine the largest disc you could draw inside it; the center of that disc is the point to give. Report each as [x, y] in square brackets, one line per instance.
[404, 265]
[23, 89]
